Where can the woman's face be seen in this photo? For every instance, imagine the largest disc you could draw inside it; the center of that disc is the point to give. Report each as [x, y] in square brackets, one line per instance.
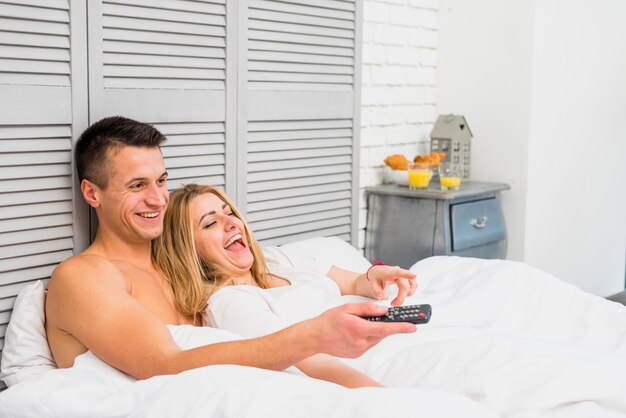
[220, 237]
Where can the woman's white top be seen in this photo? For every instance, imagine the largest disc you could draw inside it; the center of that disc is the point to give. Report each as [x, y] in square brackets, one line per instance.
[252, 312]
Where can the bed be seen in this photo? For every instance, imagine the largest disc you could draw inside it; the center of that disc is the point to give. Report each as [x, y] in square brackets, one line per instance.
[505, 340]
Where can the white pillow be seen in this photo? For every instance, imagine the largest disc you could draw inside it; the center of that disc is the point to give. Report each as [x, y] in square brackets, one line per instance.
[26, 353]
[333, 250]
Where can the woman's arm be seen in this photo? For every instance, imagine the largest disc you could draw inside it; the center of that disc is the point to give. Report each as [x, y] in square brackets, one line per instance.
[325, 367]
[373, 283]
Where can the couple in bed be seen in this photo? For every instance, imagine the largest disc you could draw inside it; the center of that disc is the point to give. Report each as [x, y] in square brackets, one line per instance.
[116, 297]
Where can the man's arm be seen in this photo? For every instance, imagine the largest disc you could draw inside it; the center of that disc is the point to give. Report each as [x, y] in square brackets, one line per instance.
[89, 300]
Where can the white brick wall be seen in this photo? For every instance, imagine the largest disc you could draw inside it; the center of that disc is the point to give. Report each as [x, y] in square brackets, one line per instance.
[398, 85]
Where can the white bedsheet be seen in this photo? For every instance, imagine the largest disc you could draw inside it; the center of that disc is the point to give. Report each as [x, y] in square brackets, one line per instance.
[504, 340]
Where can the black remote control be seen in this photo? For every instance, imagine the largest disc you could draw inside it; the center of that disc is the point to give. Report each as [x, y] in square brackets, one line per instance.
[415, 314]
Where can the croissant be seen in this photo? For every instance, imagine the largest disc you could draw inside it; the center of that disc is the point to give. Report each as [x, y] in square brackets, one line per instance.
[397, 162]
[434, 158]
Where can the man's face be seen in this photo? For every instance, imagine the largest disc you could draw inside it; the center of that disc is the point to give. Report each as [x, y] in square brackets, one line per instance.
[134, 201]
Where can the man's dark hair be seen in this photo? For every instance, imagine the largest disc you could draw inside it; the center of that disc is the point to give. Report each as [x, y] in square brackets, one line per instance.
[96, 143]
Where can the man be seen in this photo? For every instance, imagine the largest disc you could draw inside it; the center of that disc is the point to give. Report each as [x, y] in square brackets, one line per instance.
[111, 300]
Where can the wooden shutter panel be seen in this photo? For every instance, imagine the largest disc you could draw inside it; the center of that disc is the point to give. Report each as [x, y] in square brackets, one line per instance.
[37, 219]
[302, 96]
[164, 62]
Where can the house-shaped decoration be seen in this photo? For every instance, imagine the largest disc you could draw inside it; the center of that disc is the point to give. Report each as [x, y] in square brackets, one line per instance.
[451, 134]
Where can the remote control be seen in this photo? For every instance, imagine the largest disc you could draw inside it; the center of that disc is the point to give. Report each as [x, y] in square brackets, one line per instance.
[415, 314]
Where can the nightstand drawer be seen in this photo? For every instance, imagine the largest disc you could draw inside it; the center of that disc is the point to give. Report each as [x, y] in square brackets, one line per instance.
[476, 223]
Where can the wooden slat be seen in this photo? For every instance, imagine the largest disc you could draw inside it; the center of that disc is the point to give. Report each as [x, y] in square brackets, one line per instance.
[50, 4]
[298, 28]
[30, 26]
[17, 280]
[25, 158]
[303, 220]
[298, 154]
[163, 61]
[286, 211]
[216, 18]
[273, 16]
[162, 72]
[26, 197]
[7, 304]
[270, 205]
[163, 83]
[195, 7]
[36, 79]
[157, 26]
[188, 128]
[23, 224]
[194, 161]
[299, 182]
[342, 232]
[31, 172]
[35, 13]
[306, 8]
[195, 150]
[36, 131]
[285, 67]
[162, 38]
[38, 209]
[259, 35]
[174, 141]
[164, 49]
[32, 248]
[273, 164]
[29, 261]
[314, 143]
[34, 53]
[342, 222]
[31, 39]
[265, 45]
[272, 56]
[270, 195]
[300, 172]
[295, 86]
[178, 182]
[288, 134]
[35, 235]
[255, 126]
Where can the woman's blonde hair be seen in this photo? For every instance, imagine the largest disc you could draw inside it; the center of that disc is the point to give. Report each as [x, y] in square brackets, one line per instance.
[174, 253]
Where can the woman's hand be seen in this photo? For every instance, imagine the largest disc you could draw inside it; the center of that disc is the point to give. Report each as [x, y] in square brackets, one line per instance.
[375, 282]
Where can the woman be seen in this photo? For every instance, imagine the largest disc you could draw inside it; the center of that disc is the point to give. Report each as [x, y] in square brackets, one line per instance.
[215, 266]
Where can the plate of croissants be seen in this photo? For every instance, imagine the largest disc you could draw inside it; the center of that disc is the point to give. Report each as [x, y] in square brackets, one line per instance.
[398, 164]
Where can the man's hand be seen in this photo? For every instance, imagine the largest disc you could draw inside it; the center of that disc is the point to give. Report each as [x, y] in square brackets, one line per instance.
[342, 331]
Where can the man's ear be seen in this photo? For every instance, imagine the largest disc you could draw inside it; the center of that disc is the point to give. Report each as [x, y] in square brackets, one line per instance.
[91, 193]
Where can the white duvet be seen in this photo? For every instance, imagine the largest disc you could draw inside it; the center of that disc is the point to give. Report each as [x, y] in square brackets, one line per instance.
[504, 340]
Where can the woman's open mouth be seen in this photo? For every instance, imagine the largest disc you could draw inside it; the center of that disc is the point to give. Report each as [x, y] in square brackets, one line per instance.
[235, 243]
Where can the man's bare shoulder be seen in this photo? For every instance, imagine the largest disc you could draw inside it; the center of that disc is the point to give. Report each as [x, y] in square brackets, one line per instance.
[85, 270]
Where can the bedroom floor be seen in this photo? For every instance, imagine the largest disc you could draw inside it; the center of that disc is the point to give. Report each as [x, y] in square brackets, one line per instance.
[619, 297]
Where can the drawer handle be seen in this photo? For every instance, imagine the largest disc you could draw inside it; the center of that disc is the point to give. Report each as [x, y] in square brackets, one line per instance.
[479, 223]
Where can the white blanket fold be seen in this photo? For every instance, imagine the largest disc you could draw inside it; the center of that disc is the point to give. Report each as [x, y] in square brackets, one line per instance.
[504, 340]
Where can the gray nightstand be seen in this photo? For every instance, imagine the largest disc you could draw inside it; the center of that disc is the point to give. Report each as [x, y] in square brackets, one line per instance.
[404, 226]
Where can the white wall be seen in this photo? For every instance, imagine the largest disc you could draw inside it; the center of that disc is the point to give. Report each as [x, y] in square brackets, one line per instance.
[484, 72]
[398, 84]
[542, 85]
[576, 203]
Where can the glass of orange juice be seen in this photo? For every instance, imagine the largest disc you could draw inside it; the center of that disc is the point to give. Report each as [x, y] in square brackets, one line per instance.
[450, 176]
[419, 175]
